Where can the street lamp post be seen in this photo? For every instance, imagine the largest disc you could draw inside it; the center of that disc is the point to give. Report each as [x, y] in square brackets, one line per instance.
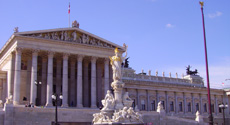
[223, 107]
[206, 61]
[55, 98]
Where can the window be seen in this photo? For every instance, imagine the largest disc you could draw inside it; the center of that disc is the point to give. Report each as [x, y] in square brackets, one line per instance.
[180, 106]
[153, 106]
[133, 105]
[197, 106]
[163, 103]
[189, 107]
[205, 107]
[142, 104]
[171, 106]
[220, 109]
[212, 108]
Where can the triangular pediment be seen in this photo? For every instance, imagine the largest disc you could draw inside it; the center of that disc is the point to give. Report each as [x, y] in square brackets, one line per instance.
[73, 35]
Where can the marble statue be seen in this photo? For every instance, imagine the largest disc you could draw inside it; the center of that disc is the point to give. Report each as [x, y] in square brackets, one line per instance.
[116, 61]
[15, 29]
[199, 118]
[66, 36]
[127, 101]
[176, 75]
[117, 109]
[163, 74]
[75, 24]
[149, 72]
[9, 100]
[85, 39]
[74, 35]
[156, 73]
[170, 75]
[160, 108]
[108, 102]
[127, 115]
[62, 35]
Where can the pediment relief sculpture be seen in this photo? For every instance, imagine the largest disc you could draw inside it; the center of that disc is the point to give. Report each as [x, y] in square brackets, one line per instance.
[71, 36]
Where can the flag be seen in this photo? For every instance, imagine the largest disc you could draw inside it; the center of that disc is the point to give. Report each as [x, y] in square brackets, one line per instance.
[222, 83]
[69, 9]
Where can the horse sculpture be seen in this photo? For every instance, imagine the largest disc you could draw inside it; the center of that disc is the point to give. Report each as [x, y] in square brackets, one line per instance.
[189, 72]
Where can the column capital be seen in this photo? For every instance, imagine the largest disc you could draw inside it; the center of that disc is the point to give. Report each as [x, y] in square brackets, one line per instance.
[35, 52]
[50, 54]
[66, 55]
[80, 58]
[106, 60]
[18, 49]
[93, 59]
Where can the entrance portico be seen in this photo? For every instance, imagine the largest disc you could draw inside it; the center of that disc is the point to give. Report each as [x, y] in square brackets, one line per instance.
[65, 61]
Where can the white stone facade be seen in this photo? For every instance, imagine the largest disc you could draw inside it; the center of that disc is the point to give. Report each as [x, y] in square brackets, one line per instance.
[75, 63]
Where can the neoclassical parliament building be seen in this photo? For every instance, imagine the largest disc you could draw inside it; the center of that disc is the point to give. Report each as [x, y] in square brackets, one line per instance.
[75, 64]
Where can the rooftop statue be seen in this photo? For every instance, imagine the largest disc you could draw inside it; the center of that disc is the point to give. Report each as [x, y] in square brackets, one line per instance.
[189, 72]
[75, 24]
[16, 29]
[126, 65]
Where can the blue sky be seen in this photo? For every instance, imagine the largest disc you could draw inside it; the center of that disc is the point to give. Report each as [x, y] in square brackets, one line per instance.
[163, 35]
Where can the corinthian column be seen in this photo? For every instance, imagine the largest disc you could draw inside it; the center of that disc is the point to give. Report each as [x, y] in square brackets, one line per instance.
[79, 81]
[106, 75]
[10, 75]
[44, 84]
[49, 80]
[33, 89]
[65, 81]
[93, 82]
[72, 83]
[17, 80]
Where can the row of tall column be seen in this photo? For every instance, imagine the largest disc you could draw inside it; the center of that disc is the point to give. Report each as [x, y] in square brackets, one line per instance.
[49, 80]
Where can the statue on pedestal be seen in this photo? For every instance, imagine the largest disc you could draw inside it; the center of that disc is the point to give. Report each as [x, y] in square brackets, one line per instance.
[117, 109]
[116, 61]
[127, 101]
[108, 102]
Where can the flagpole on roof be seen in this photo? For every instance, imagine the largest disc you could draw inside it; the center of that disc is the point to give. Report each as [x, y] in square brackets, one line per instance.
[69, 14]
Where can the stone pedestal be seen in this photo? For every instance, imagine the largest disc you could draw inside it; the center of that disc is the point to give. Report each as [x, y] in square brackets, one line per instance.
[195, 79]
[117, 87]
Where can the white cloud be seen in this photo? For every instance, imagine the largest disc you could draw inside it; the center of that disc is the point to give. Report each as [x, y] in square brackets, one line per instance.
[214, 15]
[169, 25]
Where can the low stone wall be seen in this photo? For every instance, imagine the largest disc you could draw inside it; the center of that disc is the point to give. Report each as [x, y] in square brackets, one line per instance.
[44, 116]
[69, 116]
[155, 118]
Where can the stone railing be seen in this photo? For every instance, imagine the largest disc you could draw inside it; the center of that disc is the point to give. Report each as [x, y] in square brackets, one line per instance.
[128, 74]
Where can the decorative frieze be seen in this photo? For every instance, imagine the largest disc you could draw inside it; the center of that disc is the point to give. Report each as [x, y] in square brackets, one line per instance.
[72, 36]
